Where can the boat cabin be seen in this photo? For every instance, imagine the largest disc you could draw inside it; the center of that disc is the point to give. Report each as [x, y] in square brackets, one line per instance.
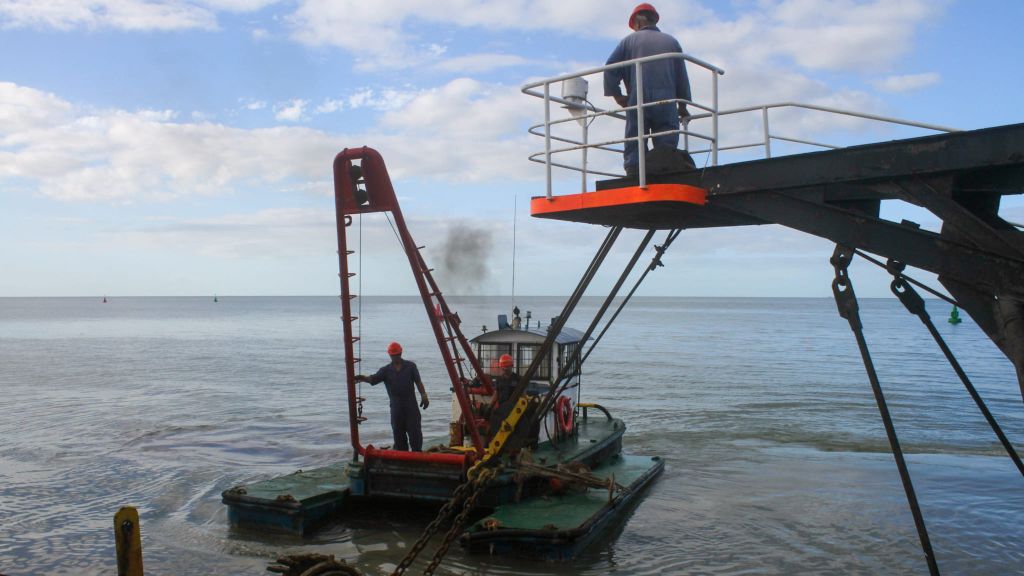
[523, 342]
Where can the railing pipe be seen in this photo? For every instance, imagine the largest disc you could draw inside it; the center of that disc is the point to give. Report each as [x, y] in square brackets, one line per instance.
[586, 134]
[642, 142]
[767, 137]
[547, 133]
[529, 87]
[714, 120]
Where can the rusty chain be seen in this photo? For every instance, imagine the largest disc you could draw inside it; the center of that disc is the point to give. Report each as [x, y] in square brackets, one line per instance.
[431, 528]
[479, 484]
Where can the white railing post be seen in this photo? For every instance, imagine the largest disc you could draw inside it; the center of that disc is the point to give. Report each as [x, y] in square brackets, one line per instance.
[640, 129]
[547, 133]
[714, 118]
[585, 147]
[767, 133]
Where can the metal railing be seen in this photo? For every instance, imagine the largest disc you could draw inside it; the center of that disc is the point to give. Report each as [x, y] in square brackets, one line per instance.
[766, 142]
[584, 112]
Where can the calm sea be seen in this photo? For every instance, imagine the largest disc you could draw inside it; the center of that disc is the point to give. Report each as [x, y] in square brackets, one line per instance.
[777, 460]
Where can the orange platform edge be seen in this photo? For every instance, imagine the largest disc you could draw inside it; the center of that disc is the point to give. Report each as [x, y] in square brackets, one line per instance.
[631, 195]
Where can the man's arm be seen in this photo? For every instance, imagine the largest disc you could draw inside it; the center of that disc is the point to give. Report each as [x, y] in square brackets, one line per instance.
[373, 380]
[615, 77]
[424, 401]
[682, 86]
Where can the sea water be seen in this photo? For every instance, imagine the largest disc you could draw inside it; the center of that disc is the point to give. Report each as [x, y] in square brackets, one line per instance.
[777, 461]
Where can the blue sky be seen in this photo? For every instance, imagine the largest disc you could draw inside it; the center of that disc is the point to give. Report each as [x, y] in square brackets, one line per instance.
[173, 147]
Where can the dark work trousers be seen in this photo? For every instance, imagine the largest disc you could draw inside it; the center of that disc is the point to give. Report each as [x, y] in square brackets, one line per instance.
[656, 119]
[405, 424]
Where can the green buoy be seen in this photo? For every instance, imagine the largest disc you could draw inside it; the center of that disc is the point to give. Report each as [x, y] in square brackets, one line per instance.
[954, 316]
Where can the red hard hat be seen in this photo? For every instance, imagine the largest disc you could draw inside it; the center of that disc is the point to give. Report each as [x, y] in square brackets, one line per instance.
[645, 7]
[505, 361]
[394, 349]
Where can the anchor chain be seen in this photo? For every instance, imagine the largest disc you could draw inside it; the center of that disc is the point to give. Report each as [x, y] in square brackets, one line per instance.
[846, 301]
[467, 494]
[480, 483]
[431, 528]
[914, 304]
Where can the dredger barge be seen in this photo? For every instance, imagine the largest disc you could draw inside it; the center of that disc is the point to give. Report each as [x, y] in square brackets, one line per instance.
[540, 480]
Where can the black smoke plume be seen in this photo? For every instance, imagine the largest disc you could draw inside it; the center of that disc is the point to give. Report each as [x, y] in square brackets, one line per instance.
[464, 256]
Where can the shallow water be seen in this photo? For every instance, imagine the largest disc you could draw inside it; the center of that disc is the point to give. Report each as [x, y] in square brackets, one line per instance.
[777, 459]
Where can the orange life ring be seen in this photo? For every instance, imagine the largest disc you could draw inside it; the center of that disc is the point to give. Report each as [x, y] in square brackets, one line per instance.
[563, 414]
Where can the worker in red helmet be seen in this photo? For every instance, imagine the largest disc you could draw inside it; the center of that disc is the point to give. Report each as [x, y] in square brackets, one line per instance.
[662, 80]
[504, 384]
[399, 377]
[506, 380]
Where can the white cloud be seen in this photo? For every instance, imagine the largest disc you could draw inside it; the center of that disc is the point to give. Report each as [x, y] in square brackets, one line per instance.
[330, 106]
[379, 38]
[80, 155]
[252, 104]
[836, 35]
[121, 14]
[290, 111]
[23, 108]
[262, 234]
[907, 82]
[477, 63]
[74, 154]
[385, 99]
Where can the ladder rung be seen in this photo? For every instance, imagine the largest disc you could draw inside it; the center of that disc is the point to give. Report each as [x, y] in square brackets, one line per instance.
[355, 339]
[351, 274]
[353, 296]
[351, 318]
[360, 419]
[360, 399]
[347, 252]
[420, 247]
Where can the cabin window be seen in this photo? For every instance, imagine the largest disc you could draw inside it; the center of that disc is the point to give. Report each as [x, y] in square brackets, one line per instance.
[566, 352]
[488, 354]
[526, 355]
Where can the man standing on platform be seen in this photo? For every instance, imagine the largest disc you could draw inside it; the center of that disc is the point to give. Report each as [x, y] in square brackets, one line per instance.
[662, 80]
[399, 377]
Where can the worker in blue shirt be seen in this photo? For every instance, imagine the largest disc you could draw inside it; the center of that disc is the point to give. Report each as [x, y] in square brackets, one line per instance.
[662, 80]
[399, 377]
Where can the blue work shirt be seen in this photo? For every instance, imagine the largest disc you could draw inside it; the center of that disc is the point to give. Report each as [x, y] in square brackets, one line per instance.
[400, 384]
[663, 79]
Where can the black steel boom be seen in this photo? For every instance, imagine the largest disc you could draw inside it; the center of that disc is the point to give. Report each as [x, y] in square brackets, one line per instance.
[960, 177]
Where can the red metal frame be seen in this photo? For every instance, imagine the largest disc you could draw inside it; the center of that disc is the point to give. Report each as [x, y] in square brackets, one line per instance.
[382, 198]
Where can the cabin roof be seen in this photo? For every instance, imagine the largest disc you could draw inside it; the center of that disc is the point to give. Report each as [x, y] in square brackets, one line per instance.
[529, 336]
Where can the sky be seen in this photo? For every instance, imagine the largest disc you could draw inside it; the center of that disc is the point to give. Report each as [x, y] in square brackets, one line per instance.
[184, 147]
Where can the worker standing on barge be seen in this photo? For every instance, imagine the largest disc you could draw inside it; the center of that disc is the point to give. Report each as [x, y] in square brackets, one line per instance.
[663, 80]
[399, 377]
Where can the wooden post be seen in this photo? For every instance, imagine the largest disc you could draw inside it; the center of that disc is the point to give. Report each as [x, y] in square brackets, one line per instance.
[127, 535]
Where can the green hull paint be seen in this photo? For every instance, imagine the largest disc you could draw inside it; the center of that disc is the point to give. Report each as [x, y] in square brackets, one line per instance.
[295, 503]
[560, 527]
